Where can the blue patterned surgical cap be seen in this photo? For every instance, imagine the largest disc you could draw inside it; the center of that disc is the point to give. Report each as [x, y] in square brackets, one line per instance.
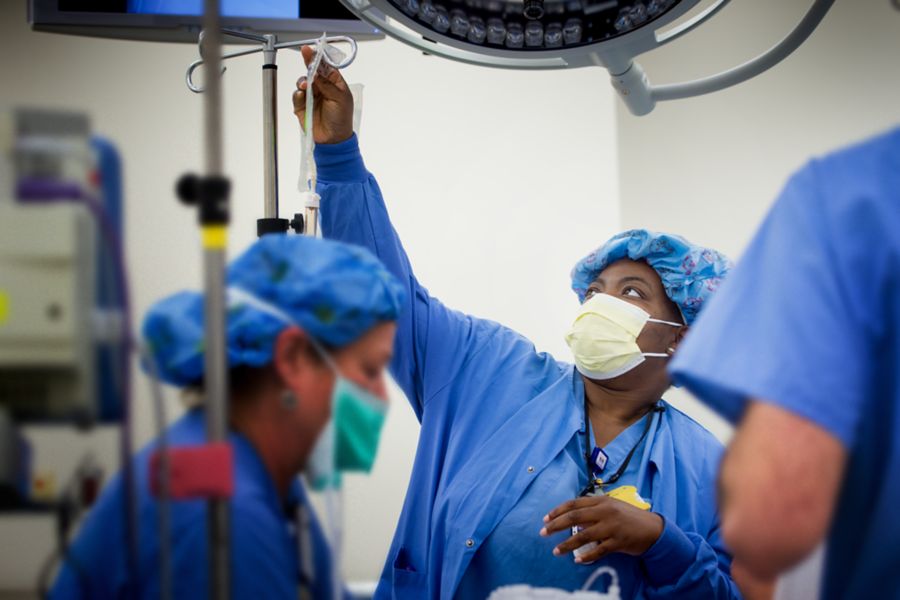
[690, 274]
[333, 291]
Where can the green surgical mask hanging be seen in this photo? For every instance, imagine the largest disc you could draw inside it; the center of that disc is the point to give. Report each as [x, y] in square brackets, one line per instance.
[349, 441]
[358, 416]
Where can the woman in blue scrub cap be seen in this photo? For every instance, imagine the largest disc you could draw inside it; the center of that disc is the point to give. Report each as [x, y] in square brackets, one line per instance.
[310, 329]
[530, 470]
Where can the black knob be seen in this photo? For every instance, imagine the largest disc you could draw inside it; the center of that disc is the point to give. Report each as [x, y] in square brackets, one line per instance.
[188, 188]
[298, 224]
[534, 9]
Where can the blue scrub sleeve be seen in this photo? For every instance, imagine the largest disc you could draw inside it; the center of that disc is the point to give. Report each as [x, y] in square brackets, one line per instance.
[685, 565]
[433, 342]
[789, 324]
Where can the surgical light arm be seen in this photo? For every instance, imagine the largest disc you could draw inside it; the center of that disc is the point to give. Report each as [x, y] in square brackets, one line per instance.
[641, 97]
[616, 55]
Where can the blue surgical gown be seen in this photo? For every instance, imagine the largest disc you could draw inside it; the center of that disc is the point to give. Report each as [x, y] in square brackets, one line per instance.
[495, 416]
[264, 543]
[809, 321]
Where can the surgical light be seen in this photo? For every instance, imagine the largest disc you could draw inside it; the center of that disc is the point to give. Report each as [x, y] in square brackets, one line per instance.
[559, 34]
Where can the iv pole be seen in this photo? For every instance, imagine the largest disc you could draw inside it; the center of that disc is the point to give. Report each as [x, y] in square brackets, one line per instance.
[214, 216]
[209, 194]
[214, 229]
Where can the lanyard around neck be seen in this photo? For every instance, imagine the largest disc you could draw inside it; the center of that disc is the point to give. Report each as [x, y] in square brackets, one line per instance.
[593, 481]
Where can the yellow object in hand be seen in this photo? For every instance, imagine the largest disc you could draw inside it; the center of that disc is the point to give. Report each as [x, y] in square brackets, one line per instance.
[629, 495]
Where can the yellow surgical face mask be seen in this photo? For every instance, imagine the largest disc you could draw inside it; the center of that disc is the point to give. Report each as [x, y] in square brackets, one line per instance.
[603, 337]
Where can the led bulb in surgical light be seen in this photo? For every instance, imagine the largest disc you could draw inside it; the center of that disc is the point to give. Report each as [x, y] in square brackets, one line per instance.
[441, 19]
[572, 31]
[655, 7]
[427, 12]
[515, 36]
[623, 22]
[459, 23]
[477, 31]
[410, 7]
[534, 34]
[496, 31]
[553, 36]
[639, 13]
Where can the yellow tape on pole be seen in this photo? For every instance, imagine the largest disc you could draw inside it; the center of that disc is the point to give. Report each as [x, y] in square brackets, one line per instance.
[4, 307]
[215, 236]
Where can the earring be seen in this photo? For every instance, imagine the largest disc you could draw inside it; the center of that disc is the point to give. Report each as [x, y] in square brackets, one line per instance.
[670, 350]
[288, 400]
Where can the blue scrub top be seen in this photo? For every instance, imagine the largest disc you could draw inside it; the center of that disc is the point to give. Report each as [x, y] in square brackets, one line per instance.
[512, 544]
[264, 545]
[810, 321]
[496, 417]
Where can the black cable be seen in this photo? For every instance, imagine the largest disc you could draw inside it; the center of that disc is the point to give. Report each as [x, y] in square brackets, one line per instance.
[66, 514]
[657, 408]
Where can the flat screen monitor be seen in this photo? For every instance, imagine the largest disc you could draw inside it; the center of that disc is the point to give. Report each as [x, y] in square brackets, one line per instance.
[180, 20]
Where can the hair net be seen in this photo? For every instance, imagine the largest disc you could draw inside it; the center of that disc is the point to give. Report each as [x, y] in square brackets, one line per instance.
[689, 273]
[333, 291]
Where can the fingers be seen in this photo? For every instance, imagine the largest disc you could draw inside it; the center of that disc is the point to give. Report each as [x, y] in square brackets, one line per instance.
[333, 76]
[573, 512]
[568, 520]
[299, 96]
[326, 75]
[603, 548]
[595, 533]
[569, 505]
[308, 54]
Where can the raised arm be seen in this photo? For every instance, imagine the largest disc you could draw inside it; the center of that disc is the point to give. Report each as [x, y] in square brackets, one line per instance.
[433, 343]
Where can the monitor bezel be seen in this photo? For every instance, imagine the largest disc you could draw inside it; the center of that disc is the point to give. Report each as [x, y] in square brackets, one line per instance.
[45, 16]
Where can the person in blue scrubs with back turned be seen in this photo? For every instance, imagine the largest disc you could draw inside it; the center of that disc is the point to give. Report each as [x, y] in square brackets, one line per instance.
[801, 348]
[510, 437]
[310, 330]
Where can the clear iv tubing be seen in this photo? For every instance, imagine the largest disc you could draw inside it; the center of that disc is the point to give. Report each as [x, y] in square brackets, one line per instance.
[334, 511]
[311, 198]
[613, 588]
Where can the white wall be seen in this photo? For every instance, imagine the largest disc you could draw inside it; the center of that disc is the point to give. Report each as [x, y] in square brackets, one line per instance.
[497, 181]
[710, 167]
